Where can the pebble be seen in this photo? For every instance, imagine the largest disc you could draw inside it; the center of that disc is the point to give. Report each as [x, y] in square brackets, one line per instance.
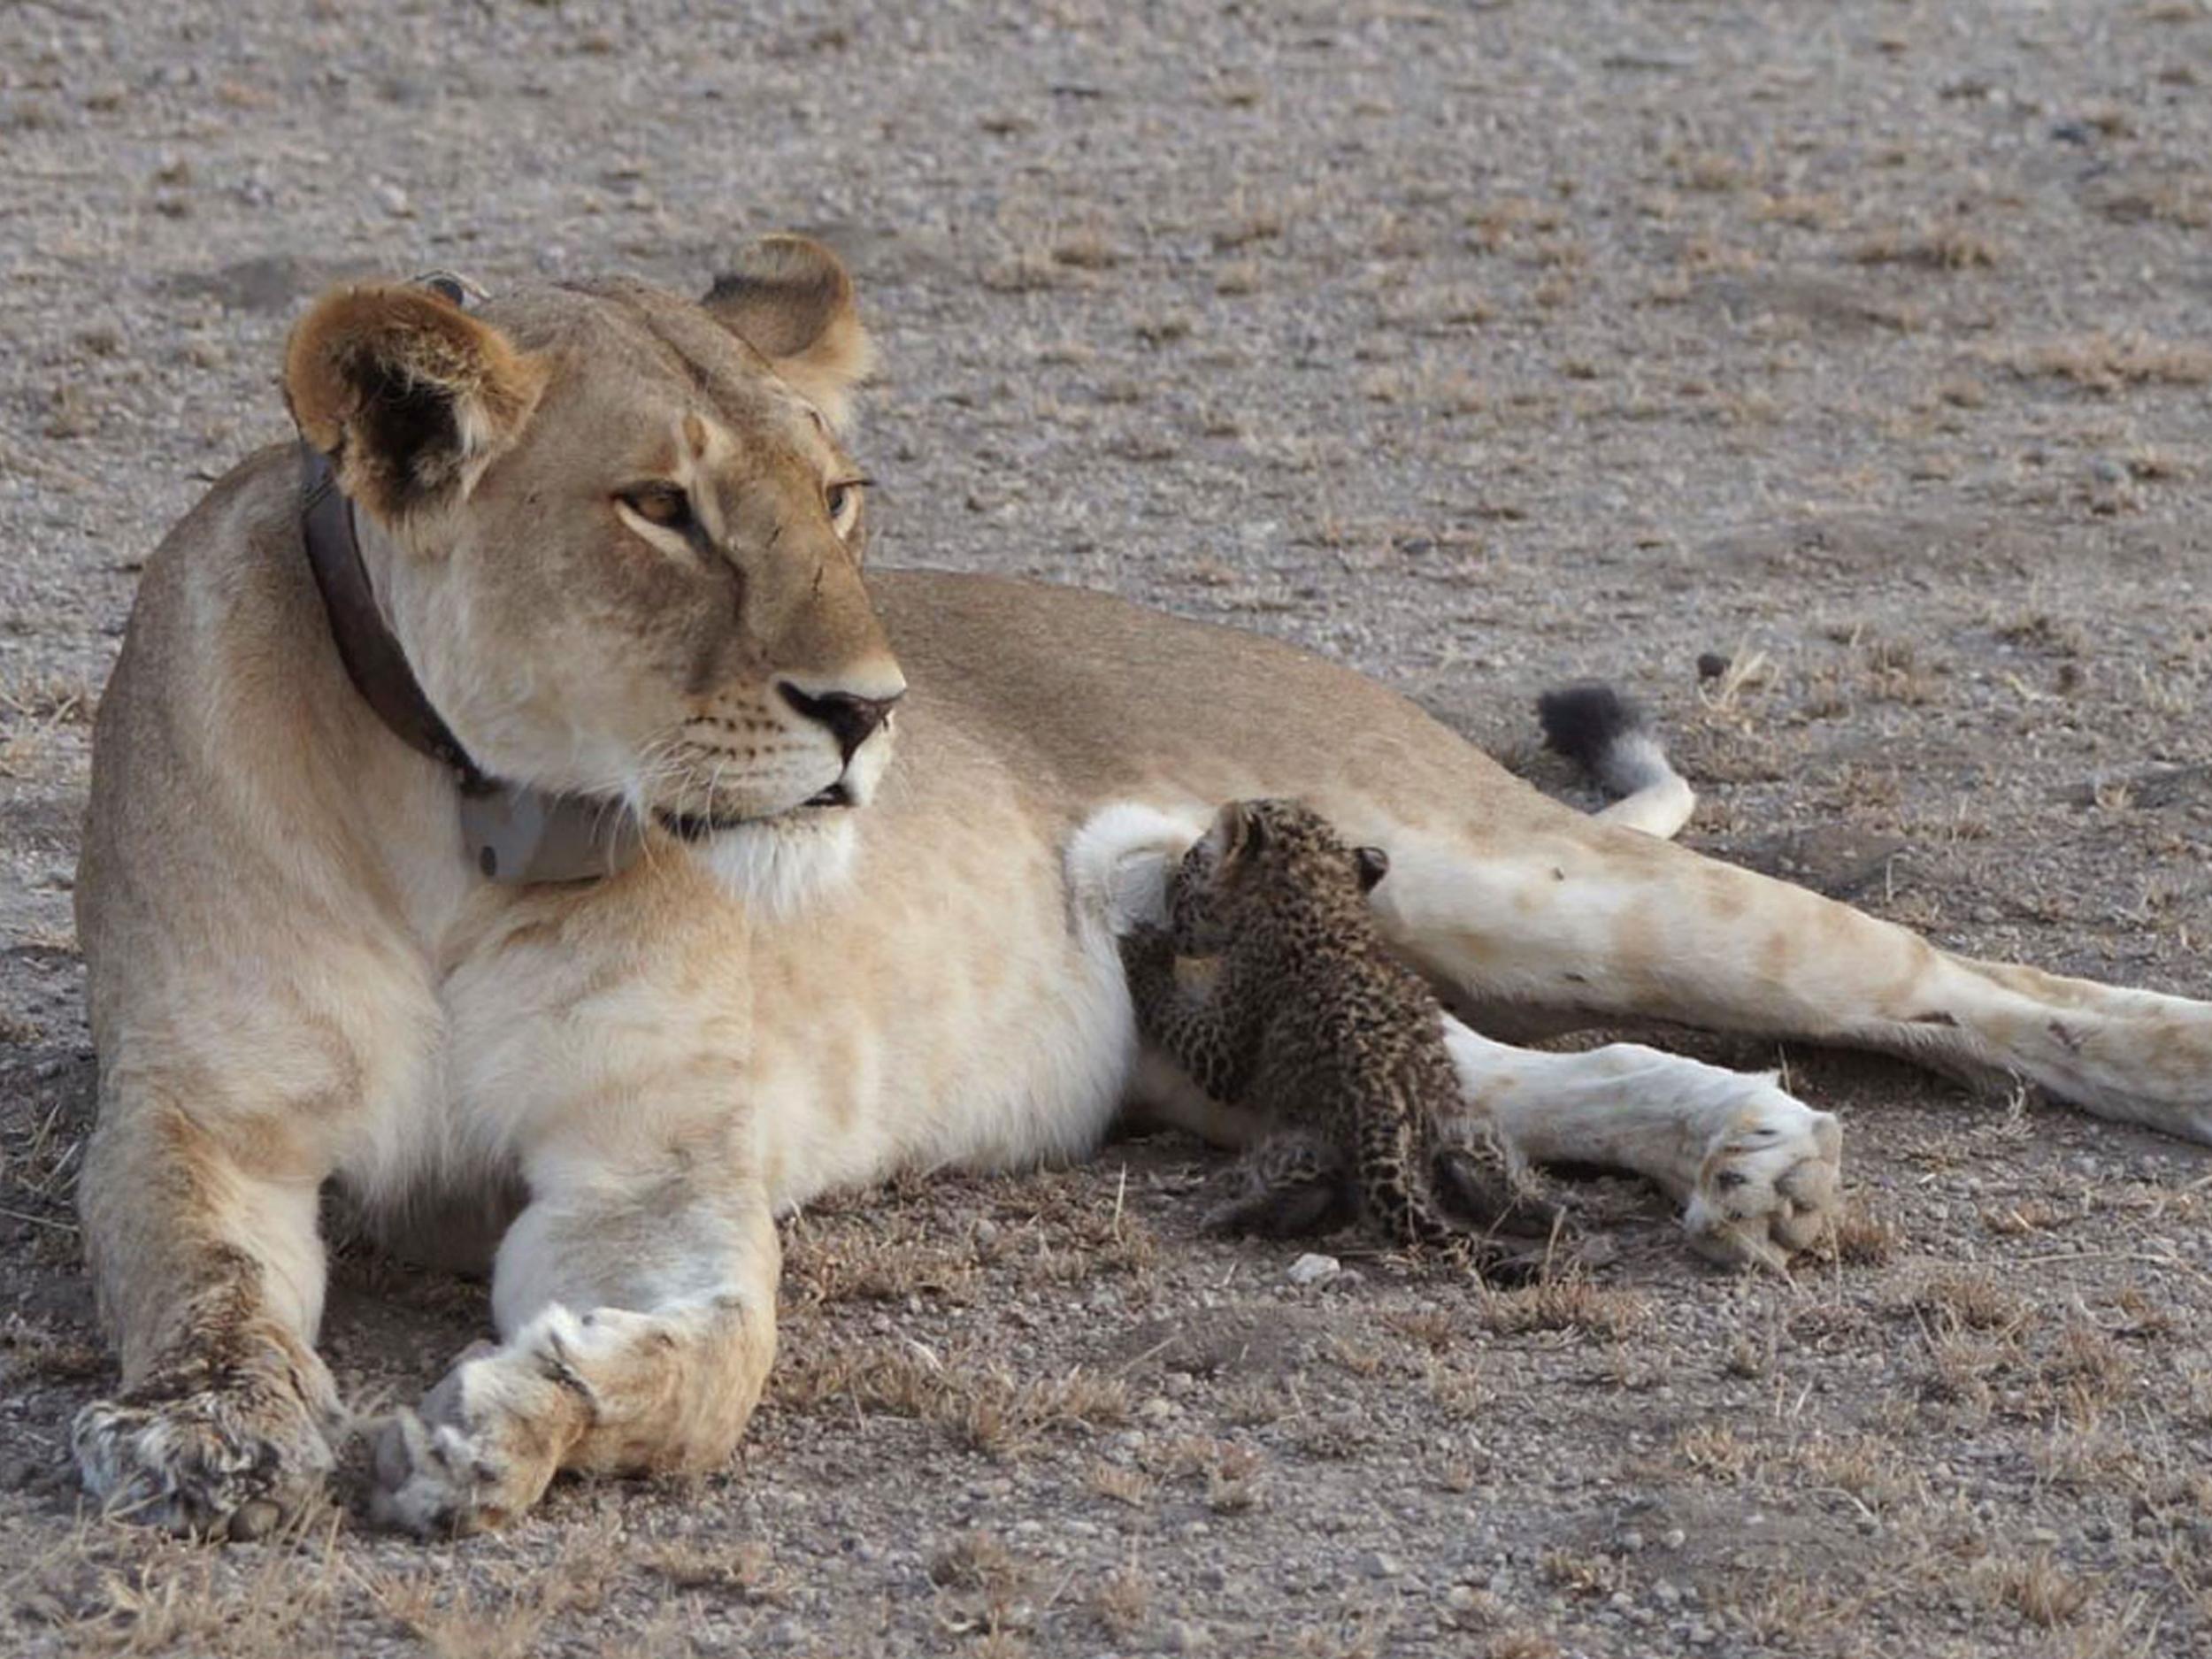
[1314, 1269]
[1377, 1565]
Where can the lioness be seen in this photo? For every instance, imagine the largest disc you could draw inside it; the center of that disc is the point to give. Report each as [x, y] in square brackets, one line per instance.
[616, 538]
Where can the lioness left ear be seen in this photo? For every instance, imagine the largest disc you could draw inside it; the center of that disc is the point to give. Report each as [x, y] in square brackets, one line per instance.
[1374, 864]
[788, 297]
[409, 396]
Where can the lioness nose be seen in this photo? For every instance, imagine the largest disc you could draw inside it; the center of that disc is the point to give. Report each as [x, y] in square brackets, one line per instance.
[851, 720]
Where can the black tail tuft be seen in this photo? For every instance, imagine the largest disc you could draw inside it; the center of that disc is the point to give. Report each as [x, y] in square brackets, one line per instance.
[1587, 724]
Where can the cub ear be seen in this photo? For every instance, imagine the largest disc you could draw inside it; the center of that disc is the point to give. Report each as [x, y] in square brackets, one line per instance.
[1243, 831]
[409, 396]
[1373, 863]
[788, 297]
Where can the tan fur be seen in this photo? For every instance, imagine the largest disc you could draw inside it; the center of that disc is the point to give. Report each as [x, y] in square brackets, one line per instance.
[296, 978]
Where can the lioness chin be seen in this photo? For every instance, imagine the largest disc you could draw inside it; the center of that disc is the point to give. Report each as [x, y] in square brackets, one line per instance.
[881, 834]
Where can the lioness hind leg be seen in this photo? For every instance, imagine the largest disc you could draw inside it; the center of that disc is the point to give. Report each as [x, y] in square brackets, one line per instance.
[1579, 915]
[211, 1278]
[639, 1322]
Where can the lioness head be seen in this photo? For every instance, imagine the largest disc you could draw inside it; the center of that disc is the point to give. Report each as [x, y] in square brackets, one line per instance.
[619, 537]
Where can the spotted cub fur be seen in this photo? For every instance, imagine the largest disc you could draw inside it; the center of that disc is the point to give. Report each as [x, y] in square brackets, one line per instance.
[1305, 1016]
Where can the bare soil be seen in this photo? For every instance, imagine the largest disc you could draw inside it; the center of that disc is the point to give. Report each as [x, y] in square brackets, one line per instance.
[1855, 349]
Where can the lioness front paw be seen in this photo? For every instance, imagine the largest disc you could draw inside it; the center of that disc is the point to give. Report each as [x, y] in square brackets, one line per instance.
[214, 1463]
[1770, 1183]
[481, 1449]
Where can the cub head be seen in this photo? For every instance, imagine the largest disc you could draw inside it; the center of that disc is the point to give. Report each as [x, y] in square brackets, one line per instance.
[619, 537]
[1261, 862]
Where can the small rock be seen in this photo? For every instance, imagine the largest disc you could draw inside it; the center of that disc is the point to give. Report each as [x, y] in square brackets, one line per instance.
[394, 201]
[1311, 1268]
[1184, 1636]
[1376, 1564]
[1712, 666]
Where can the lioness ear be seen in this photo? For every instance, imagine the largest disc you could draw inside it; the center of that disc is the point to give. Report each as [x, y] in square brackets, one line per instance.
[409, 396]
[1374, 864]
[789, 299]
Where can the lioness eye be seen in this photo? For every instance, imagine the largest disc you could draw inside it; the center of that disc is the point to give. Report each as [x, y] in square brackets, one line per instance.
[842, 498]
[662, 505]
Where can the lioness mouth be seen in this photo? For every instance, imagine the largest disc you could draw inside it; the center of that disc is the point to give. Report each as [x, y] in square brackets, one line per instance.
[696, 827]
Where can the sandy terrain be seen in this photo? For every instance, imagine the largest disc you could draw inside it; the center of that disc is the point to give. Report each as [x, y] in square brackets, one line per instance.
[1858, 347]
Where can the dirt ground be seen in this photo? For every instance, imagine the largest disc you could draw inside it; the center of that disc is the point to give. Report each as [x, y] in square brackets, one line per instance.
[1855, 349]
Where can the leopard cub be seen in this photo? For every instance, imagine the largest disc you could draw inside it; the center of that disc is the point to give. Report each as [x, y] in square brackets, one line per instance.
[1307, 1017]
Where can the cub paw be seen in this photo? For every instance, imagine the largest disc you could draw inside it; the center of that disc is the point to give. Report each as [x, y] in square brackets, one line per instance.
[1297, 1210]
[231, 1463]
[1770, 1183]
[1480, 1186]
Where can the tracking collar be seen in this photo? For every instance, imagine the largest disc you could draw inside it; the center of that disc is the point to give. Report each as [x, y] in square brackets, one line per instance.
[513, 834]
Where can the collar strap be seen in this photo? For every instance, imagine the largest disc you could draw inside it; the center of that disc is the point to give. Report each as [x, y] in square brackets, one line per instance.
[367, 647]
[513, 835]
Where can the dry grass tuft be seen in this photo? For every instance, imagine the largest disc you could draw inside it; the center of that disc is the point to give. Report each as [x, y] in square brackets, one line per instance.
[37, 698]
[977, 1561]
[1562, 1305]
[981, 1406]
[2038, 1588]
[1949, 248]
[1121, 1601]
[746, 1570]
[1588, 1576]
[1867, 1238]
[1715, 1450]
[1967, 1301]
[1132, 1487]
[2104, 363]
[500, 1614]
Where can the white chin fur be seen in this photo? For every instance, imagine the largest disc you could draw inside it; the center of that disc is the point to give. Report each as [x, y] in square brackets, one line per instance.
[783, 865]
